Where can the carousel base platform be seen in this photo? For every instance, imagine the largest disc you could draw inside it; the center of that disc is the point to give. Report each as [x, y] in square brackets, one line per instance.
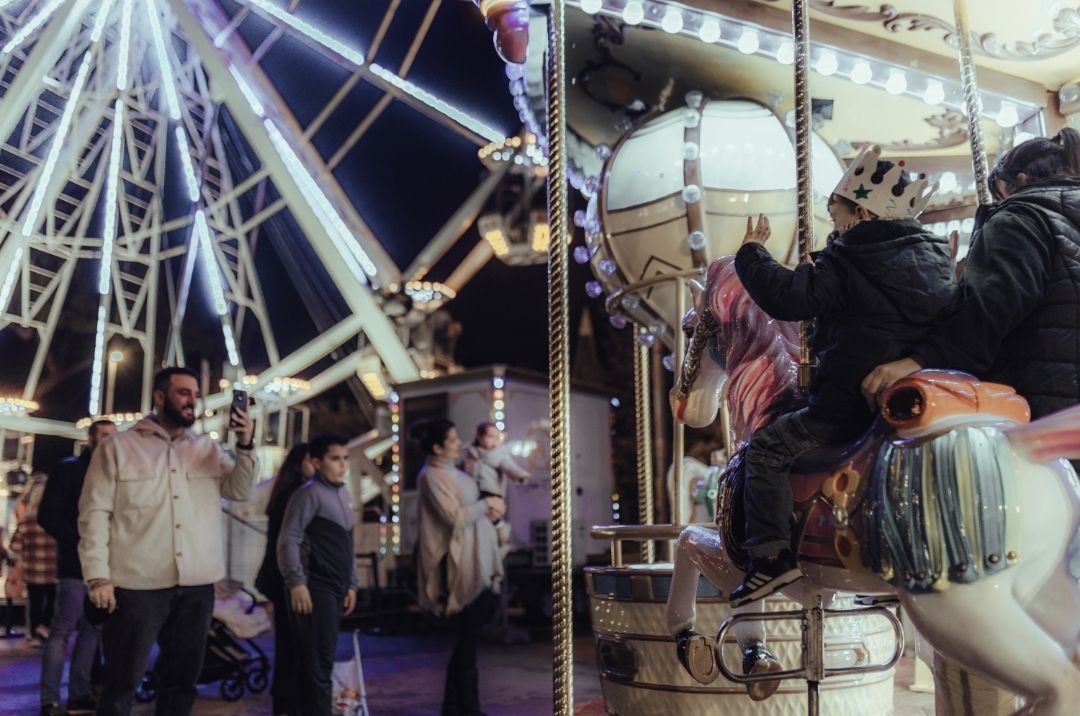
[639, 673]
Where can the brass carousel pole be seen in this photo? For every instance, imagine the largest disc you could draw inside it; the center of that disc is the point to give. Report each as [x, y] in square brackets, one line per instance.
[800, 22]
[813, 642]
[973, 100]
[643, 425]
[559, 360]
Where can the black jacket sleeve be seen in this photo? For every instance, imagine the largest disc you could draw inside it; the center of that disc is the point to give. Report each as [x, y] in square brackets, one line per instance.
[1004, 281]
[55, 514]
[785, 294]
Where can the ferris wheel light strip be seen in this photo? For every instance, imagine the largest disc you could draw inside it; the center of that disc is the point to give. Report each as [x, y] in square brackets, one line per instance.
[168, 84]
[98, 369]
[99, 20]
[213, 276]
[249, 94]
[112, 189]
[349, 248]
[125, 46]
[33, 24]
[354, 56]
[464, 119]
[185, 162]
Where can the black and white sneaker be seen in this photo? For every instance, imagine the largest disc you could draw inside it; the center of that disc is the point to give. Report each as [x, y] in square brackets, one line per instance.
[697, 655]
[765, 577]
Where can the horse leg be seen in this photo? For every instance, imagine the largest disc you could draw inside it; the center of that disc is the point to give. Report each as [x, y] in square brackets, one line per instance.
[982, 627]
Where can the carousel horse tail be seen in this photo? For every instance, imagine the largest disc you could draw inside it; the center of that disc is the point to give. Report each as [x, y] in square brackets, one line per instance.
[1055, 436]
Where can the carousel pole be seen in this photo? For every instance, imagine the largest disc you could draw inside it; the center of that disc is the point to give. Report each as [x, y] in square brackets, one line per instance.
[559, 360]
[800, 22]
[643, 425]
[678, 430]
[973, 101]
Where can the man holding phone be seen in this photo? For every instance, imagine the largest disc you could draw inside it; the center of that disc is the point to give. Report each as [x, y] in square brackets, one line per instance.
[152, 541]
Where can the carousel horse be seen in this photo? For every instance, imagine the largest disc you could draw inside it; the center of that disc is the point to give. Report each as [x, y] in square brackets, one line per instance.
[953, 501]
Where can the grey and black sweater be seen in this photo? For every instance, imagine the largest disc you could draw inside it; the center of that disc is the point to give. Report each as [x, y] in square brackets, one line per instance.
[316, 542]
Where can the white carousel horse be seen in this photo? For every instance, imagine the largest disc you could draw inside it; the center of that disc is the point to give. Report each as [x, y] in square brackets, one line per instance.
[953, 501]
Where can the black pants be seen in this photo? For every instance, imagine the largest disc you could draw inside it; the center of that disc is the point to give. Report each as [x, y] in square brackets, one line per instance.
[284, 692]
[773, 449]
[178, 619]
[461, 696]
[41, 598]
[315, 638]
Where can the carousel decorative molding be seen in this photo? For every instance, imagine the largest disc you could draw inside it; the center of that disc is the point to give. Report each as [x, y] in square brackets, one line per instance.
[1065, 36]
[952, 132]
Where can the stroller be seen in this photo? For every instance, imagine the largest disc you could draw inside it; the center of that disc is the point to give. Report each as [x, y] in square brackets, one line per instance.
[232, 656]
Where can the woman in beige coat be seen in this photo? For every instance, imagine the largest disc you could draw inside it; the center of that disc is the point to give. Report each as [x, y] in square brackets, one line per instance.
[458, 567]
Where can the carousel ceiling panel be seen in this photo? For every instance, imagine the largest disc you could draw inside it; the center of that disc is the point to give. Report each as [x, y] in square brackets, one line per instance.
[1037, 40]
[616, 69]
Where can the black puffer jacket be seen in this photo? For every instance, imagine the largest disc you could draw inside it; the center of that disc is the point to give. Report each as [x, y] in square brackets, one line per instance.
[875, 291]
[1018, 321]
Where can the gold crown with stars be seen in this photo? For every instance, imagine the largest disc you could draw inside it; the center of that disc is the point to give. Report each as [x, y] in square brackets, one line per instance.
[882, 194]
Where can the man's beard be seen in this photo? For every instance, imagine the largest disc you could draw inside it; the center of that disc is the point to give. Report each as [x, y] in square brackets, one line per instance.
[176, 416]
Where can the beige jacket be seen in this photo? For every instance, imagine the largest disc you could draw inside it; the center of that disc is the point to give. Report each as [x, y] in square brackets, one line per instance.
[150, 511]
[458, 548]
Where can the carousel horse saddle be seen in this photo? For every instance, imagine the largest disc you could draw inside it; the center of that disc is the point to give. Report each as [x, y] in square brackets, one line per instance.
[928, 471]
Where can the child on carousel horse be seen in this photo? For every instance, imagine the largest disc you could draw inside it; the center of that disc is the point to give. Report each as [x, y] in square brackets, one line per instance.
[877, 288]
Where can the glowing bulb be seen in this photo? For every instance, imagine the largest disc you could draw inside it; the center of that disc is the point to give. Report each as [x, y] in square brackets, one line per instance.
[709, 31]
[935, 93]
[672, 21]
[749, 42]
[862, 73]
[785, 54]
[633, 13]
[827, 64]
[592, 6]
[1008, 116]
[947, 182]
[897, 82]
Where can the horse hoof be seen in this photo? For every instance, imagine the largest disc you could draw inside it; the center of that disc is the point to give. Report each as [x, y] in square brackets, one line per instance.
[759, 660]
[696, 654]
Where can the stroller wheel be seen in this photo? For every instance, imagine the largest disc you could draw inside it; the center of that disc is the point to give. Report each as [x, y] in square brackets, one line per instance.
[147, 689]
[258, 680]
[232, 686]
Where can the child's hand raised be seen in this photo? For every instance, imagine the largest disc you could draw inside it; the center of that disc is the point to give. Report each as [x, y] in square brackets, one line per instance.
[759, 233]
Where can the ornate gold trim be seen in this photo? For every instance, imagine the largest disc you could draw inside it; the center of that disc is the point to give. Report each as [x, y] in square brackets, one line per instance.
[1065, 36]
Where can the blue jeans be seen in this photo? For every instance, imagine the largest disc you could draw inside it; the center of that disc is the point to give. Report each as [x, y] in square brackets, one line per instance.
[67, 619]
[768, 500]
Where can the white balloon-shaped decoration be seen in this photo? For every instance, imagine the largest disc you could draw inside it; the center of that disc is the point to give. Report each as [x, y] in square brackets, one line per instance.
[747, 167]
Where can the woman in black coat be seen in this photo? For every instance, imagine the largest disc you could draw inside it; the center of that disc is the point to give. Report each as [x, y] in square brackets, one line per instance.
[296, 469]
[1018, 320]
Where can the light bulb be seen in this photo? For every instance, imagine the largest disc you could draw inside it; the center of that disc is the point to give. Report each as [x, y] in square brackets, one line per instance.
[862, 73]
[897, 82]
[947, 182]
[785, 54]
[1008, 116]
[633, 13]
[592, 6]
[827, 64]
[749, 42]
[672, 21]
[709, 31]
[935, 93]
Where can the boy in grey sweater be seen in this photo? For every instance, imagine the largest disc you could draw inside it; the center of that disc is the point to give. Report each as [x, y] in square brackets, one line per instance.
[315, 555]
[489, 463]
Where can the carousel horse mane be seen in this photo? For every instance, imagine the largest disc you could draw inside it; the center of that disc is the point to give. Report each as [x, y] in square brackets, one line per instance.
[759, 353]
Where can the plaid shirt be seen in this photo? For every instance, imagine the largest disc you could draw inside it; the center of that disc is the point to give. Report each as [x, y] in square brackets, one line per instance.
[35, 551]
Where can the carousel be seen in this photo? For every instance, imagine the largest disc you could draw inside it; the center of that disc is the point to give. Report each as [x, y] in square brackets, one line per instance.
[672, 123]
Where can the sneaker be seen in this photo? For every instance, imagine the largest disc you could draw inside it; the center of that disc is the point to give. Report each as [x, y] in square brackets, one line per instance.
[82, 703]
[759, 660]
[765, 577]
[53, 710]
[697, 656]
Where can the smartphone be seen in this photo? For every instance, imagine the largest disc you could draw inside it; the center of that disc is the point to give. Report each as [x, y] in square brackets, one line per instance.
[239, 403]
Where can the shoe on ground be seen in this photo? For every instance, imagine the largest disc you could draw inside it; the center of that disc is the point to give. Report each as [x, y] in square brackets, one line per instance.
[759, 660]
[84, 704]
[765, 577]
[53, 710]
[697, 655]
